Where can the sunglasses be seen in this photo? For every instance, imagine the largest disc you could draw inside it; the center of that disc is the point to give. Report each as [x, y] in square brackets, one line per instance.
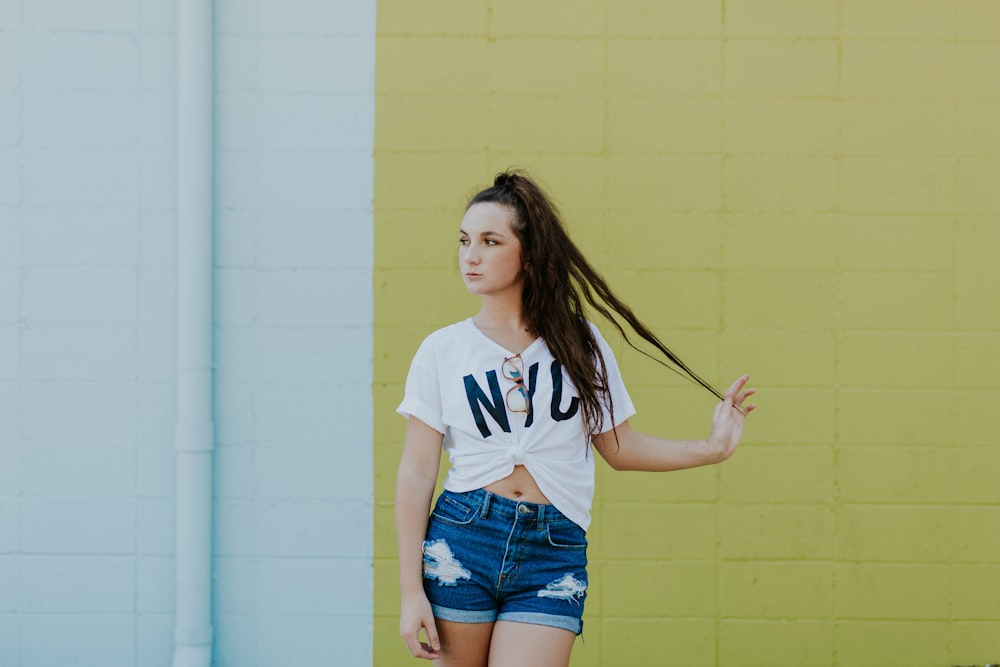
[517, 396]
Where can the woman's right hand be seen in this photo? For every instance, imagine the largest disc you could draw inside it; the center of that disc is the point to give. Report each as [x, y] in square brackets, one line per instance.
[414, 615]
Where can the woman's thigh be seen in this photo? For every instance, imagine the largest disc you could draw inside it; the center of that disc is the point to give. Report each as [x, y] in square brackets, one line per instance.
[463, 644]
[528, 645]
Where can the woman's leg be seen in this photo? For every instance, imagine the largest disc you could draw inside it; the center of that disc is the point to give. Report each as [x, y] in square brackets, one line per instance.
[528, 645]
[463, 644]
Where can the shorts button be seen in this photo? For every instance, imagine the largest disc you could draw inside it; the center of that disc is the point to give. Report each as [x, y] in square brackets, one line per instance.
[521, 509]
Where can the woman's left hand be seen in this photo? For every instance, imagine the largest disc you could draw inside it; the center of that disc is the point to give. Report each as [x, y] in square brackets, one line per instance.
[729, 416]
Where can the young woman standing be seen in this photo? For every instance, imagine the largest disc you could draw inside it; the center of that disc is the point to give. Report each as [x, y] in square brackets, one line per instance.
[516, 395]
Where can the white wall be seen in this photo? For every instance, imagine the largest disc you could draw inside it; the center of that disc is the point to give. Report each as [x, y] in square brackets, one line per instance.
[87, 345]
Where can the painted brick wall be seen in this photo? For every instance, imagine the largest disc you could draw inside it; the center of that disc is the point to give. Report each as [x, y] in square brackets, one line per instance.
[805, 191]
[87, 344]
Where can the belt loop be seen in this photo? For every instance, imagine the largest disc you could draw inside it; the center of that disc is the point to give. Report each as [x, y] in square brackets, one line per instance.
[484, 512]
[541, 516]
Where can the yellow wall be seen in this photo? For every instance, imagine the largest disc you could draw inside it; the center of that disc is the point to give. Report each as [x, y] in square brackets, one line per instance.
[805, 190]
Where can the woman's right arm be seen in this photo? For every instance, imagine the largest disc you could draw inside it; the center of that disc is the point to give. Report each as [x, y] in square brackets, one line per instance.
[418, 472]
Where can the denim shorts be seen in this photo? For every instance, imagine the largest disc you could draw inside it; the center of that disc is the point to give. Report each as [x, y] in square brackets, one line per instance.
[488, 558]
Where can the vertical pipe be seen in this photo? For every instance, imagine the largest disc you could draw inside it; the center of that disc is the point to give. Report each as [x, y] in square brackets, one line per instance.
[194, 433]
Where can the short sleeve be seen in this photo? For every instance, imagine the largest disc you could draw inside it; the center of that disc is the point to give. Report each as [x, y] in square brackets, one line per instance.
[422, 394]
[621, 402]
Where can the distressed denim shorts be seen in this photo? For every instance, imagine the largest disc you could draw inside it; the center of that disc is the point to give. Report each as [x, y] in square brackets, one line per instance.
[488, 558]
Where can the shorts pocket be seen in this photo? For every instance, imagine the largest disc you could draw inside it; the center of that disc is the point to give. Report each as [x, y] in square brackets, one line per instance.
[566, 535]
[454, 510]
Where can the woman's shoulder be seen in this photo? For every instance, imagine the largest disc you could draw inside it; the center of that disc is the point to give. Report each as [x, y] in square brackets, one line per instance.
[596, 331]
[602, 342]
[445, 337]
[450, 332]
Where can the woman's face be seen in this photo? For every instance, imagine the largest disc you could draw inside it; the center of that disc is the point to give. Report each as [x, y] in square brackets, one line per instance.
[489, 252]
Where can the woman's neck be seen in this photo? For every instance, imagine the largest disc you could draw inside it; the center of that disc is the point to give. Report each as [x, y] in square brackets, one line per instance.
[501, 315]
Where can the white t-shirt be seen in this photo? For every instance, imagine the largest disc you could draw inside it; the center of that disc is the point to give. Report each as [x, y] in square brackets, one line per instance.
[456, 386]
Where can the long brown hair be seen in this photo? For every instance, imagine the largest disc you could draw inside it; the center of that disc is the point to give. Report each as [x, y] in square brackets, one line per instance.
[558, 281]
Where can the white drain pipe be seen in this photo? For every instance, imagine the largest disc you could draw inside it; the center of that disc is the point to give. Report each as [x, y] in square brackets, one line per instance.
[195, 431]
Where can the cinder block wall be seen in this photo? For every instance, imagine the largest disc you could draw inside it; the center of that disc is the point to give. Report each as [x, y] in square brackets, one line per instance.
[805, 191]
[87, 343]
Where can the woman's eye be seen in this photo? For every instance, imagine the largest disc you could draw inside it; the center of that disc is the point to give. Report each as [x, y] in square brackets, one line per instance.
[463, 242]
[490, 242]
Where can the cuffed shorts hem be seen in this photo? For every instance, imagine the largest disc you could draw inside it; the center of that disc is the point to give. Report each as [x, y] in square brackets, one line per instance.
[570, 623]
[464, 615]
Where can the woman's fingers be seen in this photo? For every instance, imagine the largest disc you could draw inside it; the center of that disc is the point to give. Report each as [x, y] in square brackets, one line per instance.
[419, 649]
[412, 641]
[432, 637]
[429, 650]
[735, 387]
[735, 397]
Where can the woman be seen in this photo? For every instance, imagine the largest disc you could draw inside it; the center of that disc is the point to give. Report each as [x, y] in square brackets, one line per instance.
[516, 395]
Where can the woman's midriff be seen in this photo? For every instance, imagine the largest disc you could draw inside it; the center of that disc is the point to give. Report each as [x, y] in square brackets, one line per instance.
[519, 485]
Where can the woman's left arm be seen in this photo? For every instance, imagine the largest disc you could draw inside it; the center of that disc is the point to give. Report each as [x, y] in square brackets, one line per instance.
[632, 450]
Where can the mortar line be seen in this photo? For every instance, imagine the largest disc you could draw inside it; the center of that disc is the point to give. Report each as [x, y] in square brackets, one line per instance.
[955, 327]
[720, 271]
[838, 343]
